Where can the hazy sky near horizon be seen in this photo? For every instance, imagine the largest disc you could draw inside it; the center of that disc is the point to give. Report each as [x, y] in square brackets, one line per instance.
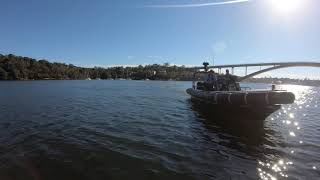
[184, 32]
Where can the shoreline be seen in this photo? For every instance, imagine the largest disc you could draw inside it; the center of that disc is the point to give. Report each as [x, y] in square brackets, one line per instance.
[24, 80]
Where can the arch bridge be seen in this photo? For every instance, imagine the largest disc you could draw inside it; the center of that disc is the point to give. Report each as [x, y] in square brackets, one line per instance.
[269, 67]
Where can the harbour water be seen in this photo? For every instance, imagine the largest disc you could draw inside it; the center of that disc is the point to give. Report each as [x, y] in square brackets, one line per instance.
[149, 130]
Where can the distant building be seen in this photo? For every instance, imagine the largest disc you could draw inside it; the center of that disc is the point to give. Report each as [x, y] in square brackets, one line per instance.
[161, 72]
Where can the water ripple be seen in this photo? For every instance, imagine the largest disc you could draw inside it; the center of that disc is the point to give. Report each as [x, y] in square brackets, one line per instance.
[150, 130]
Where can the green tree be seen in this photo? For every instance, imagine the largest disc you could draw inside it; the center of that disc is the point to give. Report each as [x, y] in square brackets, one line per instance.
[3, 74]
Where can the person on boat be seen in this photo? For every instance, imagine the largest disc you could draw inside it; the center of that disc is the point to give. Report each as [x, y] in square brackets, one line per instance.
[222, 83]
[230, 82]
[210, 81]
[228, 77]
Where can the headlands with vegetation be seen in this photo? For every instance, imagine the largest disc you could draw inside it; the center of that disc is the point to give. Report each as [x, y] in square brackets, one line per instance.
[24, 68]
[14, 67]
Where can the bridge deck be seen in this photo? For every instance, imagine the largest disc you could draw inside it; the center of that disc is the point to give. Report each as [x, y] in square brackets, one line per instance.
[298, 63]
[274, 66]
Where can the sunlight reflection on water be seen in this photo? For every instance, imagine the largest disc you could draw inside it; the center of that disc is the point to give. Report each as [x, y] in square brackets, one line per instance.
[279, 166]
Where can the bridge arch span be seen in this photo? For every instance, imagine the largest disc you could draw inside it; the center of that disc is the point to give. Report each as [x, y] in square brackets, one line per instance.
[280, 66]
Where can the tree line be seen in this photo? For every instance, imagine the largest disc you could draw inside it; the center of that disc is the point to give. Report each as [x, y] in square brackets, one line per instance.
[14, 67]
[24, 68]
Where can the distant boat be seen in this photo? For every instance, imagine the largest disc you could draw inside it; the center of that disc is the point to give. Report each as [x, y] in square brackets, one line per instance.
[278, 82]
[88, 79]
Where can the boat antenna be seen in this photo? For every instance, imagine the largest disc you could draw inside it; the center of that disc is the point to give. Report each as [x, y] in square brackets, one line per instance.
[213, 61]
[205, 64]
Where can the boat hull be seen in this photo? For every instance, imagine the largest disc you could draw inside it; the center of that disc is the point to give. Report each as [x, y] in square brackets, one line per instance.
[242, 112]
[237, 98]
[250, 105]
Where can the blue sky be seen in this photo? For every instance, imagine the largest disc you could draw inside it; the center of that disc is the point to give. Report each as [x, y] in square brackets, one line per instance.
[126, 32]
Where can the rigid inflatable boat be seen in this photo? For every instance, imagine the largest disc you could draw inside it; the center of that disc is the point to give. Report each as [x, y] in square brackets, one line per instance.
[226, 96]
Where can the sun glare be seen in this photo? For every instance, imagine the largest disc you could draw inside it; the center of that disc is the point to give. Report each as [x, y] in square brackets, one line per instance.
[286, 6]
